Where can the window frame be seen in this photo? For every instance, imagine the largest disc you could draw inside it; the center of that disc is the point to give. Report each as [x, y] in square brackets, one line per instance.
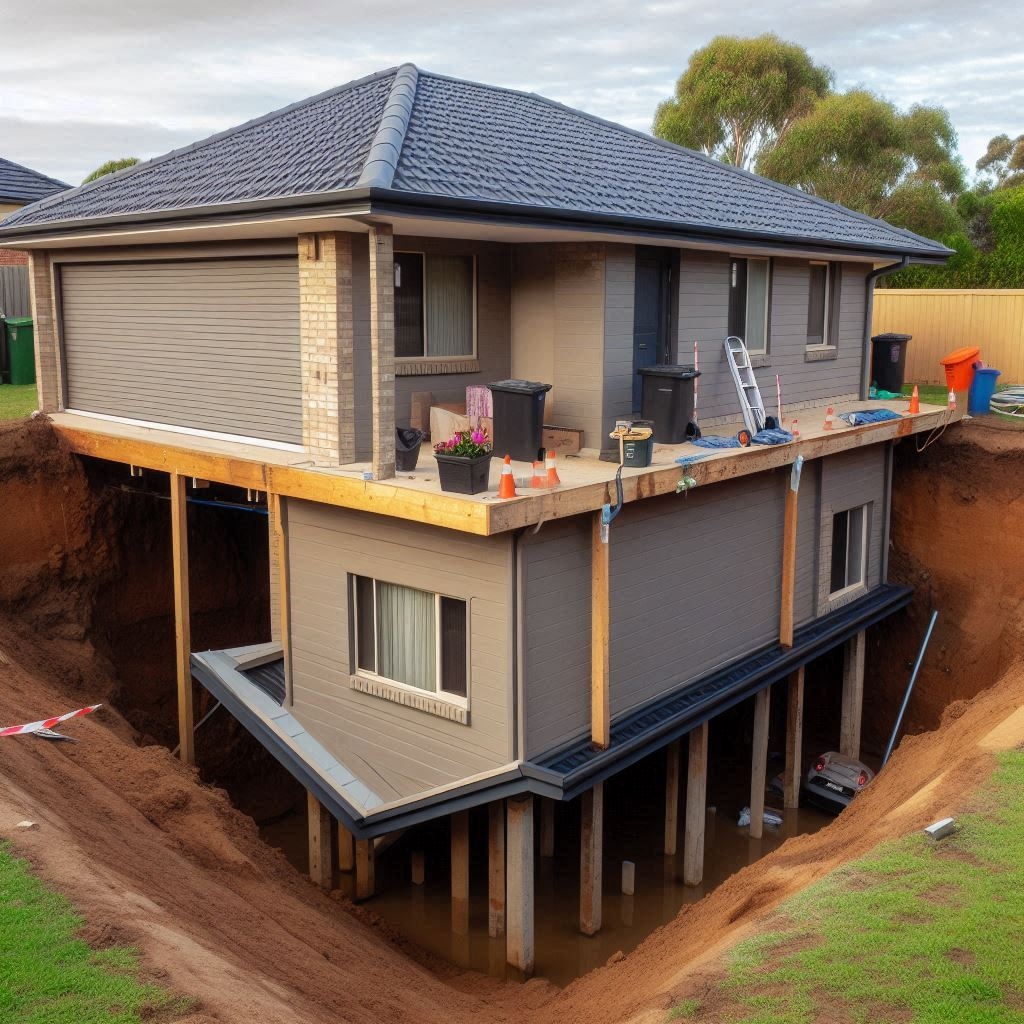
[860, 584]
[828, 340]
[437, 694]
[764, 352]
[413, 361]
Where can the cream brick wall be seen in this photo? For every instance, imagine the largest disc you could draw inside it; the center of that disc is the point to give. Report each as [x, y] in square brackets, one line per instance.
[48, 383]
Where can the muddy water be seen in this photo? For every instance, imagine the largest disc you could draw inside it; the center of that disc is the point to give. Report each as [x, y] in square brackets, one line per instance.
[634, 825]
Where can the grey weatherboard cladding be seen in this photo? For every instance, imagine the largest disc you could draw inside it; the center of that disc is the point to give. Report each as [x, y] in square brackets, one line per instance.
[410, 137]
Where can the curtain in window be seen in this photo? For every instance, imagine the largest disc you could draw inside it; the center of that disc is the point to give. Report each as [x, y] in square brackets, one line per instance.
[757, 305]
[406, 636]
[449, 306]
[816, 304]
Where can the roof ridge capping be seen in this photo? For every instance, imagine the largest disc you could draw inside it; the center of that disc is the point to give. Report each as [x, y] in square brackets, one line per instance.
[386, 147]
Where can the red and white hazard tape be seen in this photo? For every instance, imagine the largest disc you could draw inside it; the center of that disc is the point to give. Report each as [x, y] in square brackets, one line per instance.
[46, 723]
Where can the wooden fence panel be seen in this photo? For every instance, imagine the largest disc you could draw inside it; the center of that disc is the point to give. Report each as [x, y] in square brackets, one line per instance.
[14, 297]
[942, 320]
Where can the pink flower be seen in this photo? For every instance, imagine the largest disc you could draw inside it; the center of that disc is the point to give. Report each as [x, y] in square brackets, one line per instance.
[479, 437]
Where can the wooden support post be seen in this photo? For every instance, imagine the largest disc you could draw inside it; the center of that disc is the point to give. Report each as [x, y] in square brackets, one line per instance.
[496, 870]
[319, 824]
[346, 849]
[759, 761]
[628, 878]
[547, 827]
[789, 560]
[519, 942]
[382, 349]
[460, 872]
[418, 867]
[696, 806]
[600, 694]
[591, 836]
[853, 694]
[366, 872]
[794, 740]
[672, 799]
[276, 510]
[182, 618]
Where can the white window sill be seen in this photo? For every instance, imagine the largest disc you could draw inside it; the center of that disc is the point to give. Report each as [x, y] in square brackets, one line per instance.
[820, 353]
[433, 367]
[410, 698]
[846, 596]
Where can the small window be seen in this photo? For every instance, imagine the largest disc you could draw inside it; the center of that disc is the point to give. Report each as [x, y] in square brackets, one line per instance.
[411, 637]
[823, 305]
[434, 306]
[749, 288]
[849, 550]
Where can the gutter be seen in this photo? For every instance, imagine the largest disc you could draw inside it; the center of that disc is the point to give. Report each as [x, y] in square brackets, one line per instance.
[869, 308]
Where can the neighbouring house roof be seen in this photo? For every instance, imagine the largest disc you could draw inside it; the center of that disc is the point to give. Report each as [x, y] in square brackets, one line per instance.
[406, 137]
[23, 185]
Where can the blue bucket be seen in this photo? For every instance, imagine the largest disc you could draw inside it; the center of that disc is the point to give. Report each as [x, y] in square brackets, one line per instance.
[983, 387]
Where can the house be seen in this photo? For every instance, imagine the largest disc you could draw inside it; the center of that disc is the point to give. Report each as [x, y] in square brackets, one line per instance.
[260, 310]
[18, 186]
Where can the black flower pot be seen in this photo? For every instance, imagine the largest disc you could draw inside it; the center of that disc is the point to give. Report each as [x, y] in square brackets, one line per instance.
[463, 476]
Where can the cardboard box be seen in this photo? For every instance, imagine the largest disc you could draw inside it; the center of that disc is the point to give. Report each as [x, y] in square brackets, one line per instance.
[562, 440]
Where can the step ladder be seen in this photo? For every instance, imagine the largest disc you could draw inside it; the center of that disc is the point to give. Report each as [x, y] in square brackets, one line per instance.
[751, 403]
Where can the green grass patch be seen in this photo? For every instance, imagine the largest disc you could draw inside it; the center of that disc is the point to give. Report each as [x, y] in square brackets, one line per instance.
[916, 931]
[686, 1009]
[17, 400]
[47, 976]
[930, 394]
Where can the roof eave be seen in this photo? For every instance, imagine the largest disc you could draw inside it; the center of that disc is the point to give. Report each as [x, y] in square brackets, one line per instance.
[384, 202]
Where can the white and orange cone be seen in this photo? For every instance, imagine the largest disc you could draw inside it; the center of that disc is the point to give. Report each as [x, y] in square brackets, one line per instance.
[550, 463]
[830, 416]
[795, 430]
[952, 401]
[915, 402]
[538, 480]
[507, 485]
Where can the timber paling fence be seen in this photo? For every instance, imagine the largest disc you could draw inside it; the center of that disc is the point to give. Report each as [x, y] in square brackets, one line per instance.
[14, 300]
[942, 320]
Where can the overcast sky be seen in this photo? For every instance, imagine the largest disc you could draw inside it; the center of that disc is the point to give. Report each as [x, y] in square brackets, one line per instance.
[85, 82]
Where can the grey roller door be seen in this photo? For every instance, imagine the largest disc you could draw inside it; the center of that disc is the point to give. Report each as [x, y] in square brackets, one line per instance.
[210, 344]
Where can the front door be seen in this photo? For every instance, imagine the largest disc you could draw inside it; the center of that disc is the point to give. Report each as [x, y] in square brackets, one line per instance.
[651, 313]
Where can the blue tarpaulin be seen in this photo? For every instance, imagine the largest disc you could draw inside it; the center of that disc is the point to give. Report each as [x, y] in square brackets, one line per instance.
[859, 419]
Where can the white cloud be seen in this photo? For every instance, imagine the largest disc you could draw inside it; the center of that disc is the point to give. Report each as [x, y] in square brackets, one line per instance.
[87, 82]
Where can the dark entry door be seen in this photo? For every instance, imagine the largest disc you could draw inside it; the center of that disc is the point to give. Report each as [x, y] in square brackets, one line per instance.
[651, 313]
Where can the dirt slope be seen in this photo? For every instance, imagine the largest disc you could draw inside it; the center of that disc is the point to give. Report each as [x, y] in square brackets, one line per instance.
[153, 857]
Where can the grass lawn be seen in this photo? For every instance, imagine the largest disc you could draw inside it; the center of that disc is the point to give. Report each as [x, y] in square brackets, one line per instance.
[17, 400]
[47, 976]
[916, 931]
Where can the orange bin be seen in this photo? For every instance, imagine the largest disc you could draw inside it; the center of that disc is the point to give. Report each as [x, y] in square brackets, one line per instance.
[960, 368]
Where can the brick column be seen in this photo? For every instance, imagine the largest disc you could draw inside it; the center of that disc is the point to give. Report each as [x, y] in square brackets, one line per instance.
[326, 338]
[48, 382]
[382, 349]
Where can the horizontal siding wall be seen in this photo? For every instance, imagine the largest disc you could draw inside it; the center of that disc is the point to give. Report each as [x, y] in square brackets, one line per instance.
[556, 633]
[943, 320]
[704, 317]
[211, 344]
[402, 750]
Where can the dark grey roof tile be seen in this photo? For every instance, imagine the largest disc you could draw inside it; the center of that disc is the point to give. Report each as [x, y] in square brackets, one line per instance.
[23, 185]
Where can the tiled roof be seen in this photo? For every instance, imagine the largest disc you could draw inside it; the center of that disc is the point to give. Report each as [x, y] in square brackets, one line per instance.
[414, 133]
[23, 185]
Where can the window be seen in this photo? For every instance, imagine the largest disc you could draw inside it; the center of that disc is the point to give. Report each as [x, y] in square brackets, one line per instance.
[749, 287]
[434, 306]
[823, 305]
[849, 550]
[411, 637]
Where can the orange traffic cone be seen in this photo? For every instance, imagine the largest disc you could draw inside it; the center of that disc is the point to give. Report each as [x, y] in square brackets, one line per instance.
[794, 430]
[549, 461]
[915, 402]
[952, 401]
[507, 486]
[538, 480]
[830, 415]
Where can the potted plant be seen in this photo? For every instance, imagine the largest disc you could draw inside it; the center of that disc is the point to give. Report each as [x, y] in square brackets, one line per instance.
[464, 461]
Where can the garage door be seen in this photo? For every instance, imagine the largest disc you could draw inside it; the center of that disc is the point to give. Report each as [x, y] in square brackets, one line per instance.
[207, 344]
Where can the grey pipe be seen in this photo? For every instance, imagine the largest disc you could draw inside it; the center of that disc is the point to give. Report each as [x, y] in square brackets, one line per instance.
[910, 689]
[869, 308]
